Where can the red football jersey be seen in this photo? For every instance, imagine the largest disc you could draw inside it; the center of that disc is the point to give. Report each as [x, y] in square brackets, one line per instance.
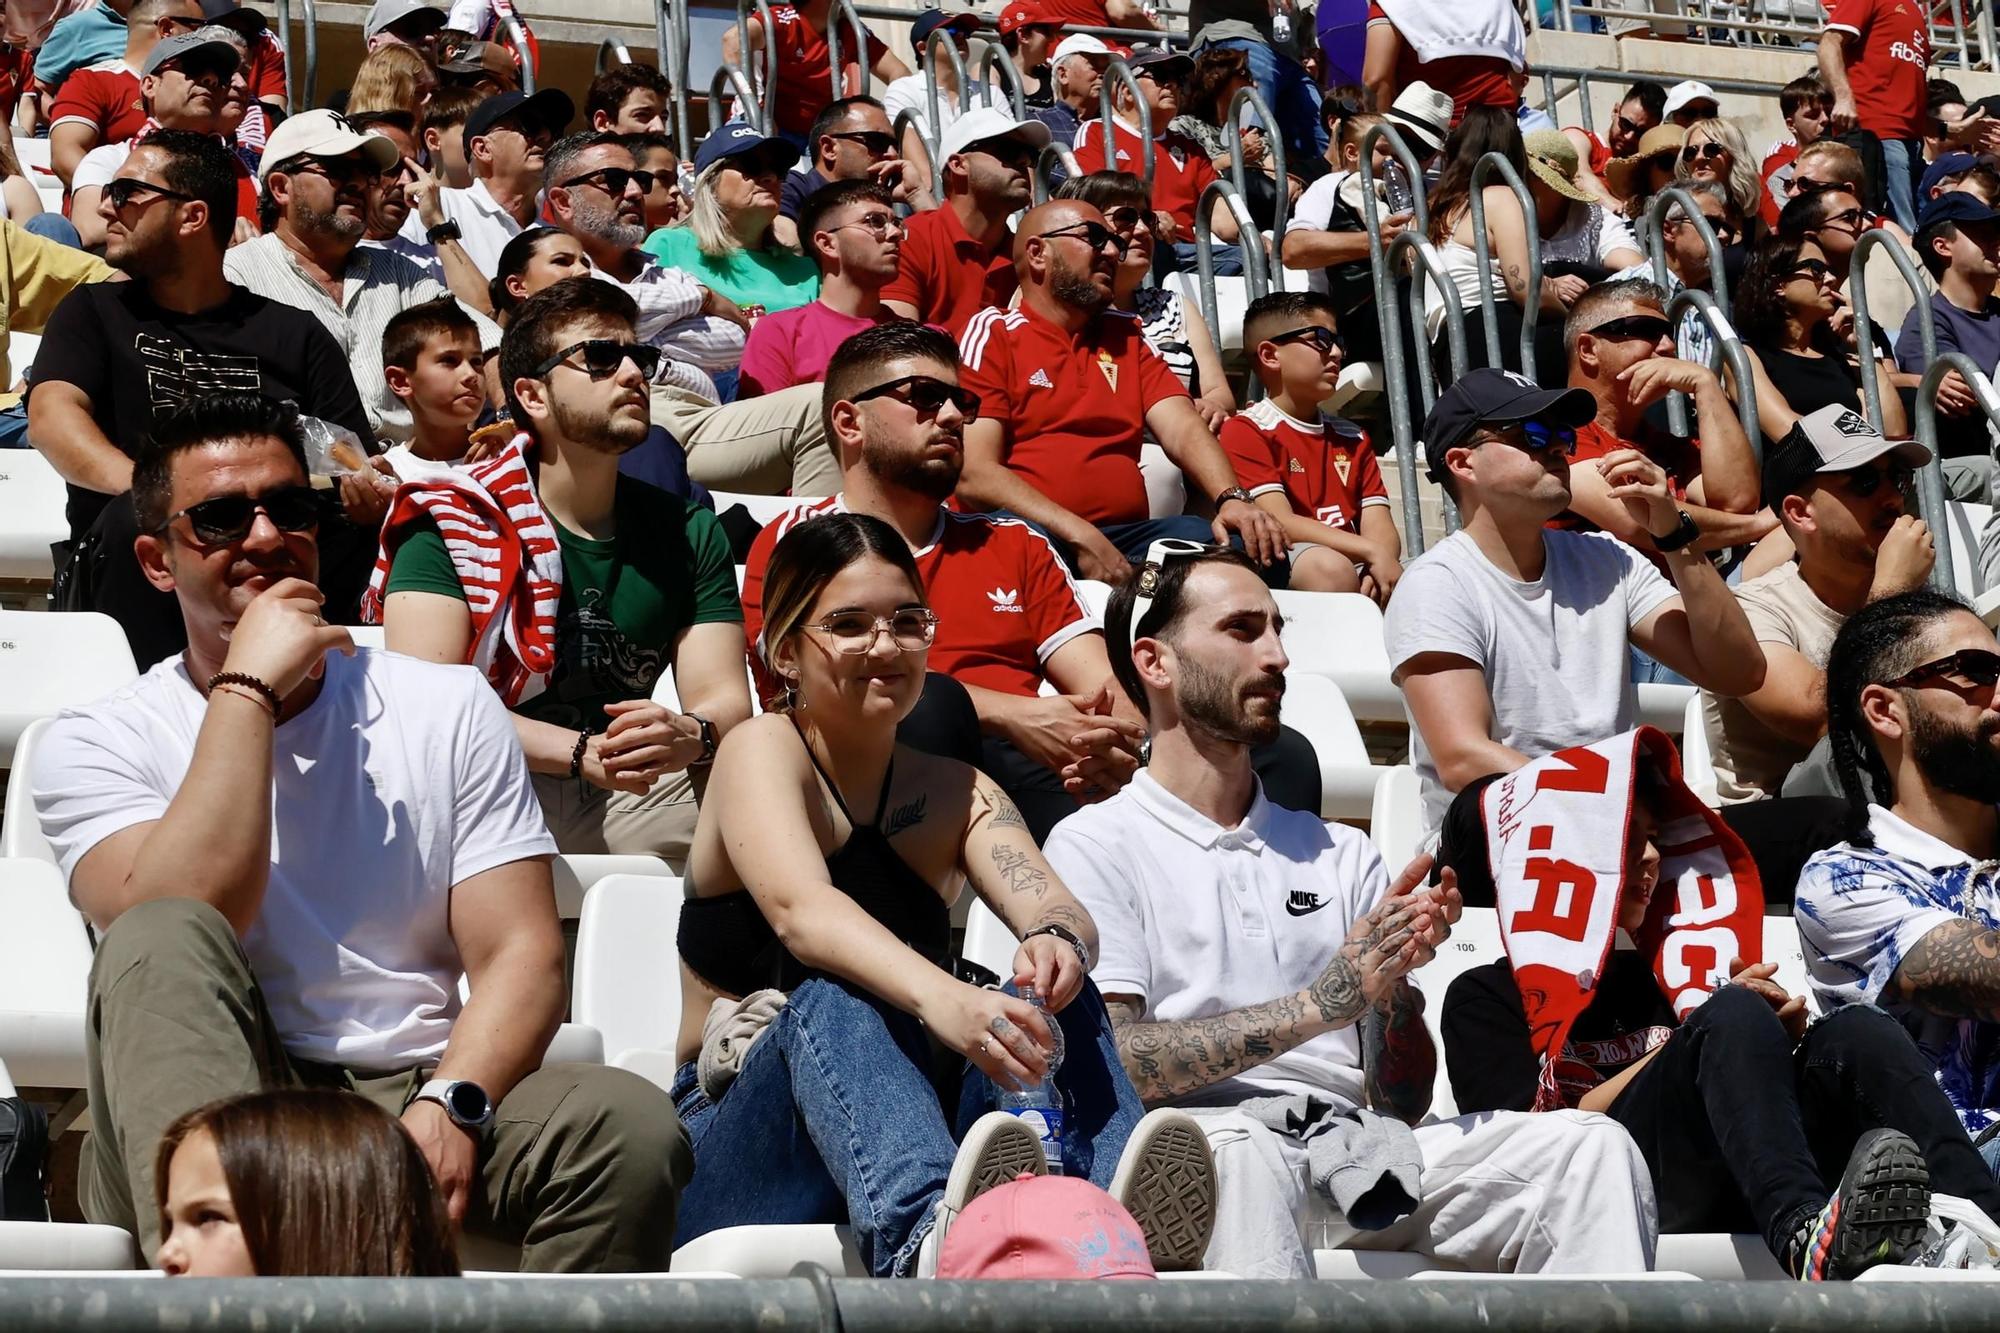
[1887, 74]
[104, 95]
[1181, 171]
[805, 68]
[1326, 471]
[945, 275]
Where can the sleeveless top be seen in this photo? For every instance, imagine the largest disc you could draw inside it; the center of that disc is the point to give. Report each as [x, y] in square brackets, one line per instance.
[726, 941]
[1808, 383]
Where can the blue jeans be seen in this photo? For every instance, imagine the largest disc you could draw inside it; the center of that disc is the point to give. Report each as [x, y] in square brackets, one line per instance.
[14, 426]
[1899, 156]
[1290, 93]
[1180, 257]
[834, 1118]
[54, 227]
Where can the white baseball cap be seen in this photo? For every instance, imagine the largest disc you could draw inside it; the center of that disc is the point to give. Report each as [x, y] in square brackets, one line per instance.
[1079, 44]
[1688, 91]
[987, 122]
[324, 134]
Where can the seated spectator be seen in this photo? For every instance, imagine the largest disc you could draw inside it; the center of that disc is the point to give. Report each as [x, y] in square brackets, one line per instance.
[1946, 174]
[433, 362]
[488, 68]
[804, 64]
[1180, 167]
[1650, 169]
[1019, 15]
[1643, 107]
[958, 258]
[407, 189]
[1468, 50]
[1715, 150]
[1690, 101]
[726, 240]
[408, 23]
[1806, 106]
[1026, 35]
[103, 103]
[264, 57]
[1315, 474]
[1255, 1024]
[645, 581]
[1503, 659]
[1068, 388]
[1786, 311]
[1901, 915]
[298, 1182]
[1689, 263]
[850, 918]
[1621, 353]
[192, 82]
[1077, 70]
[506, 141]
[912, 92]
[1831, 216]
[36, 274]
[1171, 324]
[1572, 228]
[1327, 235]
[336, 909]
[89, 35]
[654, 152]
[443, 131]
[317, 175]
[539, 257]
[1839, 490]
[1742, 1110]
[851, 230]
[393, 78]
[1959, 243]
[850, 140]
[628, 97]
[117, 356]
[1222, 70]
[1291, 93]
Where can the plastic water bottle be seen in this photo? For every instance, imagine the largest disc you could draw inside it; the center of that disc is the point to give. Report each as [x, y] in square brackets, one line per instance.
[1040, 1104]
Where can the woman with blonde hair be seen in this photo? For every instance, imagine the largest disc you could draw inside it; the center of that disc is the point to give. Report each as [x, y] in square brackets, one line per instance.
[393, 78]
[726, 241]
[1715, 150]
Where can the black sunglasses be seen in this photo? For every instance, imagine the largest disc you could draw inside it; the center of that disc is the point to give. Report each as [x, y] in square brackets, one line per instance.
[125, 189]
[1863, 482]
[1093, 234]
[1128, 219]
[229, 518]
[1816, 269]
[1006, 150]
[1710, 151]
[1651, 328]
[927, 395]
[1319, 335]
[336, 170]
[613, 180]
[875, 142]
[603, 358]
[1972, 668]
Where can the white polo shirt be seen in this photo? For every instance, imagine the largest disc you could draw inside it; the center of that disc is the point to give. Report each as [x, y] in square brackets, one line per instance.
[1200, 919]
[484, 226]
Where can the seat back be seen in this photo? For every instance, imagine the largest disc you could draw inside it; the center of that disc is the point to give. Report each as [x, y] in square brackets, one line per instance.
[1697, 761]
[988, 942]
[20, 827]
[628, 983]
[1474, 942]
[50, 662]
[33, 499]
[575, 872]
[1966, 521]
[1782, 946]
[765, 509]
[1317, 710]
[1396, 820]
[1339, 635]
[44, 977]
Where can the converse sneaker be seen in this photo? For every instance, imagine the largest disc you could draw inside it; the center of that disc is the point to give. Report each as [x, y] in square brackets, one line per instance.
[1166, 1180]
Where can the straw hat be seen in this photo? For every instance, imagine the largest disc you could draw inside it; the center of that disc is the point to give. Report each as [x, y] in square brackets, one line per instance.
[1552, 157]
[1623, 174]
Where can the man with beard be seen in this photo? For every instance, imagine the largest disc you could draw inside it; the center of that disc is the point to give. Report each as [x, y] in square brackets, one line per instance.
[507, 139]
[851, 230]
[1839, 489]
[318, 175]
[1069, 389]
[1904, 913]
[1510, 639]
[409, 187]
[1643, 106]
[1255, 961]
[646, 585]
[293, 850]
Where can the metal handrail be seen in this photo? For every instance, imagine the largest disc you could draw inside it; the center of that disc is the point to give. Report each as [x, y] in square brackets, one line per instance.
[1256, 272]
[844, 9]
[1426, 266]
[1482, 244]
[1864, 324]
[1931, 498]
[908, 119]
[760, 90]
[1249, 99]
[517, 36]
[1106, 120]
[729, 76]
[670, 43]
[995, 56]
[1583, 77]
[1064, 158]
[310, 11]
[611, 52]
[1655, 225]
[285, 50]
[1725, 344]
[941, 38]
[903, 14]
[1705, 24]
[1403, 431]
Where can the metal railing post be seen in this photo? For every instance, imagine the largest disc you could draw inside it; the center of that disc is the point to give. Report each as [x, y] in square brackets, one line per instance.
[1655, 225]
[1931, 499]
[728, 76]
[310, 12]
[1248, 99]
[1123, 73]
[670, 21]
[1725, 345]
[842, 9]
[941, 37]
[1402, 430]
[761, 88]
[1060, 156]
[908, 119]
[1864, 324]
[285, 50]
[1256, 273]
[517, 37]
[1489, 311]
[994, 56]
[611, 51]
[1427, 266]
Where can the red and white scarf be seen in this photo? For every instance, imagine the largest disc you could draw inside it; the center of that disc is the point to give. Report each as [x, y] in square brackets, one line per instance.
[505, 552]
[1556, 832]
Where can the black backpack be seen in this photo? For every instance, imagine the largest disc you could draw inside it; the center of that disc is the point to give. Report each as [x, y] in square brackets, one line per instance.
[24, 1160]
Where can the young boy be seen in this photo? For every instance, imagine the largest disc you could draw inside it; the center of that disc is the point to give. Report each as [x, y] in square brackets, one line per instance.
[1806, 105]
[1316, 474]
[432, 361]
[666, 202]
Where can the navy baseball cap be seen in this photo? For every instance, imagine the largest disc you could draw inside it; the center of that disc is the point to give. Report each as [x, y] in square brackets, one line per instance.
[928, 22]
[550, 107]
[735, 138]
[1497, 398]
[1950, 164]
[1955, 206]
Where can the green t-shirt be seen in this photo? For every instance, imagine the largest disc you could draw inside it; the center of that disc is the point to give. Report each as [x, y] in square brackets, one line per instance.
[624, 601]
[774, 279]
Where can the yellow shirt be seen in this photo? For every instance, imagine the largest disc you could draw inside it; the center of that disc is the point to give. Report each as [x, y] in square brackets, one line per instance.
[35, 275]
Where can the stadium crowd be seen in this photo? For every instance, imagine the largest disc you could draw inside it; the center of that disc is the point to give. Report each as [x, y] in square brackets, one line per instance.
[459, 362]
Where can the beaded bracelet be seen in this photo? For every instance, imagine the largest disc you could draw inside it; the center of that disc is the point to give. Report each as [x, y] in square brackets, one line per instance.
[249, 682]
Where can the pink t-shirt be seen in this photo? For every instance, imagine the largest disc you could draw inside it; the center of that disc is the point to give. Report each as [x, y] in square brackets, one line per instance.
[793, 346]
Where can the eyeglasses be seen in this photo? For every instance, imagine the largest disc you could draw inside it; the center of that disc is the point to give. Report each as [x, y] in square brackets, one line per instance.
[613, 180]
[175, 24]
[879, 225]
[229, 518]
[1319, 335]
[125, 189]
[1129, 219]
[874, 142]
[1847, 219]
[1963, 672]
[604, 357]
[336, 170]
[927, 395]
[1815, 269]
[1863, 482]
[1648, 328]
[912, 630]
[1093, 234]
[1724, 229]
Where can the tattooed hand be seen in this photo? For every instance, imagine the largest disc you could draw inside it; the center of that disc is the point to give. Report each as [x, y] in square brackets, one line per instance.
[1401, 933]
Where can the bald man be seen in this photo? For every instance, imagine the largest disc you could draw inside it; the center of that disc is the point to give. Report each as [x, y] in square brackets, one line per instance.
[1068, 389]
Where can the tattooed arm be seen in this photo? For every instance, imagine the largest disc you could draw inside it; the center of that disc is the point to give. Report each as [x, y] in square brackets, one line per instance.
[1009, 874]
[1398, 1055]
[1954, 970]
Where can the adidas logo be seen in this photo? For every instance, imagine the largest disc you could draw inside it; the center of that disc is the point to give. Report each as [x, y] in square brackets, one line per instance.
[1297, 466]
[1006, 600]
[1040, 380]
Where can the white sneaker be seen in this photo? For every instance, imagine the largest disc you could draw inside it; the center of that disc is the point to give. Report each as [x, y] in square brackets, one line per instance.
[1166, 1180]
[998, 1148]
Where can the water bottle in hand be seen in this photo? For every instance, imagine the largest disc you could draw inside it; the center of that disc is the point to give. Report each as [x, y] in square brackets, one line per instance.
[1040, 1104]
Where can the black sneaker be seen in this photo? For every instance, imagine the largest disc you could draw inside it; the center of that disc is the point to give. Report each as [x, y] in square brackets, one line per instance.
[1876, 1216]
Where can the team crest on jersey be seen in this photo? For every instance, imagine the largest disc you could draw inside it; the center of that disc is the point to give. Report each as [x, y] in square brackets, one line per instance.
[1109, 367]
[1343, 464]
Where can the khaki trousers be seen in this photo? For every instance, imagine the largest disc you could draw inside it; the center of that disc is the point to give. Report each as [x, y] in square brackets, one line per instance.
[766, 445]
[582, 1168]
[587, 820]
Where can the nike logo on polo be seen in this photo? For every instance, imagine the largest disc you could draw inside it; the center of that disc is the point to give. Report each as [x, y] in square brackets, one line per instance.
[1040, 380]
[1006, 600]
[1303, 902]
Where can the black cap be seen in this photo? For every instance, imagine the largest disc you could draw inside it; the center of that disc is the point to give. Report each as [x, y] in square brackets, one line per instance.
[550, 106]
[230, 14]
[1497, 398]
[1955, 206]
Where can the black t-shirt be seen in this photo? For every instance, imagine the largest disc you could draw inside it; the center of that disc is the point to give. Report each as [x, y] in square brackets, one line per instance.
[131, 357]
[798, 184]
[1491, 1057]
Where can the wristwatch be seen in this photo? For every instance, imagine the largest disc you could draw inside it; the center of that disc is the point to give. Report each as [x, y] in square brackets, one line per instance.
[707, 741]
[1683, 535]
[463, 1100]
[1233, 493]
[444, 231]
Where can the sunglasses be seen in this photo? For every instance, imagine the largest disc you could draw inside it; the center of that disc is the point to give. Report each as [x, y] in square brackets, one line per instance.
[1863, 482]
[1964, 671]
[1006, 150]
[175, 25]
[1626, 125]
[1533, 437]
[1816, 269]
[879, 225]
[1320, 336]
[125, 189]
[874, 142]
[912, 630]
[1649, 328]
[604, 357]
[1845, 220]
[927, 395]
[1093, 234]
[1128, 219]
[754, 164]
[1806, 185]
[1697, 151]
[613, 180]
[335, 170]
[229, 518]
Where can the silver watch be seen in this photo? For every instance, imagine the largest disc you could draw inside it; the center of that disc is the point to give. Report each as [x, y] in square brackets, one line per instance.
[463, 1100]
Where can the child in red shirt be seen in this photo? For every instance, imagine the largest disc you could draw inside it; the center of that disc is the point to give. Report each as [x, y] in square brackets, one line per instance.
[1316, 474]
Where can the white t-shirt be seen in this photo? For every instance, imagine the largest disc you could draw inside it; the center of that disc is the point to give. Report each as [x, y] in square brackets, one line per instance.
[402, 780]
[911, 93]
[1314, 212]
[1554, 652]
[99, 166]
[1199, 919]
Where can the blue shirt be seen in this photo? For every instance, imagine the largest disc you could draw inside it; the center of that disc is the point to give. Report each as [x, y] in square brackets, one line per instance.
[1973, 332]
[84, 38]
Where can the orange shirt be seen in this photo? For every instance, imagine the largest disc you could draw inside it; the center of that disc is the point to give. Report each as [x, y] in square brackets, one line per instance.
[946, 275]
[1325, 470]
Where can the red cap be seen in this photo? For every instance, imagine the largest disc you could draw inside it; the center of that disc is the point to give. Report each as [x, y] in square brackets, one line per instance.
[1045, 1227]
[1019, 15]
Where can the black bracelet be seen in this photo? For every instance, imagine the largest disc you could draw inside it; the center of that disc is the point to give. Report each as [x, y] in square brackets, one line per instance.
[576, 754]
[1067, 936]
[249, 682]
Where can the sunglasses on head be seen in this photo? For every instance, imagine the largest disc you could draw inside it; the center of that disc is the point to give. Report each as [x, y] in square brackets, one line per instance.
[613, 180]
[604, 357]
[1093, 234]
[229, 518]
[125, 189]
[1320, 336]
[874, 142]
[926, 394]
[1695, 151]
[1650, 328]
[1146, 579]
[1965, 670]
[1863, 482]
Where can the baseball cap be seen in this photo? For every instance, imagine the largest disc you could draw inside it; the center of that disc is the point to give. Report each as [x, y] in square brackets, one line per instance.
[182, 45]
[734, 139]
[229, 14]
[324, 134]
[1948, 164]
[1021, 14]
[959, 17]
[987, 122]
[1490, 397]
[1045, 1227]
[1079, 44]
[1955, 206]
[1836, 438]
[1422, 113]
[482, 58]
[385, 13]
[1162, 62]
[1688, 91]
[550, 106]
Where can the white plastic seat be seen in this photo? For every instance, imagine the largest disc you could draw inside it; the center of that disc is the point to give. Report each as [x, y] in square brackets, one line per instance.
[1316, 709]
[1350, 1265]
[1166, 485]
[628, 981]
[49, 662]
[44, 978]
[772, 1251]
[32, 501]
[988, 941]
[20, 828]
[574, 874]
[1358, 379]
[368, 636]
[1396, 817]
[1665, 707]
[1697, 761]
[1719, 1254]
[1232, 299]
[1339, 636]
[68, 1248]
[33, 155]
[1966, 521]
[1782, 946]
[1474, 942]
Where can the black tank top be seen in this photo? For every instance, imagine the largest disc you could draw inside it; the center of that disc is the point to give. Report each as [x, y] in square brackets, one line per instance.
[1809, 383]
[726, 941]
